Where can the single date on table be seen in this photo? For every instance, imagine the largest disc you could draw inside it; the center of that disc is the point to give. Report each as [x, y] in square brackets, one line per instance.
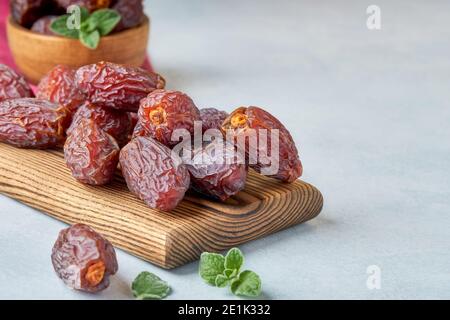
[225, 310]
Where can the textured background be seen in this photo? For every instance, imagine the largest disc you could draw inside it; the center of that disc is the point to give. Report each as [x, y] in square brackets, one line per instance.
[370, 112]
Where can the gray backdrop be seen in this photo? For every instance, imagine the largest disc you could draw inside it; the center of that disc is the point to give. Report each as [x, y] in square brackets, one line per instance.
[370, 113]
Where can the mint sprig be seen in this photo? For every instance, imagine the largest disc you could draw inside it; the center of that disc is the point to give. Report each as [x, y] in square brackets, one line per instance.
[211, 265]
[91, 27]
[247, 283]
[220, 271]
[149, 286]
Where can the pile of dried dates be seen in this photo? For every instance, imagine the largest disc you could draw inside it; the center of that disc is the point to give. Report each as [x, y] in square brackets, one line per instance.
[107, 116]
[38, 15]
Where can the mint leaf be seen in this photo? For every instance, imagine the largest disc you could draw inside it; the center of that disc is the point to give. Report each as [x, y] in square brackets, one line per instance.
[84, 14]
[149, 286]
[59, 26]
[247, 284]
[88, 26]
[234, 259]
[104, 20]
[211, 265]
[230, 273]
[221, 281]
[90, 40]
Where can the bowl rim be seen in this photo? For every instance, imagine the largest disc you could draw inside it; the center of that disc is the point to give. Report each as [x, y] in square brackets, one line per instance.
[112, 37]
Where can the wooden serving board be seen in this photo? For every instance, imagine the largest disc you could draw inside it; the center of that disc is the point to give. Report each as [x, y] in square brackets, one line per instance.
[41, 180]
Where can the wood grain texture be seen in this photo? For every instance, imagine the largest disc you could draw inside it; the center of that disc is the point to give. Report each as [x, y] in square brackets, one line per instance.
[41, 180]
[35, 54]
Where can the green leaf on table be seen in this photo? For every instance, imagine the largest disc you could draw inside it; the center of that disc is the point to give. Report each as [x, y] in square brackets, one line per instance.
[234, 259]
[90, 40]
[60, 27]
[230, 273]
[149, 286]
[211, 265]
[104, 20]
[221, 281]
[247, 284]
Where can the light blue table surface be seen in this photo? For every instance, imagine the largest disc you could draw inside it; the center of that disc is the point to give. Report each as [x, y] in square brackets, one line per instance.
[370, 113]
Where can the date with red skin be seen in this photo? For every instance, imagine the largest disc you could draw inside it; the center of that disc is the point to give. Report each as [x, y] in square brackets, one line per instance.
[13, 85]
[91, 5]
[32, 123]
[162, 112]
[134, 119]
[91, 154]
[83, 259]
[117, 124]
[242, 119]
[26, 12]
[153, 173]
[132, 13]
[139, 131]
[42, 25]
[58, 86]
[212, 118]
[115, 86]
[215, 171]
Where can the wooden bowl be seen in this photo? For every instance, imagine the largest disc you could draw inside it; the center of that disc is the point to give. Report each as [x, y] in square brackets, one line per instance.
[35, 54]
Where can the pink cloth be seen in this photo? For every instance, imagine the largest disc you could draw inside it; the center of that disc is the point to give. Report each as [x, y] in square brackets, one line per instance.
[5, 54]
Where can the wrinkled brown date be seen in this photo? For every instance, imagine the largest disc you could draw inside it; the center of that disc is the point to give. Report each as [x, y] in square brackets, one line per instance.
[32, 123]
[131, 12]
[162, 112]
[13, 85]
[26, 12]
[289, 165]
[42, 25]
[215, 170]
[212, 118]
[139, 131]
[116, 123]
[134, 119]
[153, 174]
[83, 259]
[91, 154]
[58, 86]
[91, 5]
[115, 86]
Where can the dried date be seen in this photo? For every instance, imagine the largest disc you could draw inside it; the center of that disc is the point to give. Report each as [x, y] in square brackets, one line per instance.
[32, 123]
[115, 86]
[242, 119]
[216, 171]
[26, 12]
[58, 86]
[91, 5]
[134, 119]
[162, 112]
[91, 154]
[212, 118]
[117, 124]
[131, 12]
[153, 173]
[42, 25]
[83, 259]
[13, 85]
[139, 131]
